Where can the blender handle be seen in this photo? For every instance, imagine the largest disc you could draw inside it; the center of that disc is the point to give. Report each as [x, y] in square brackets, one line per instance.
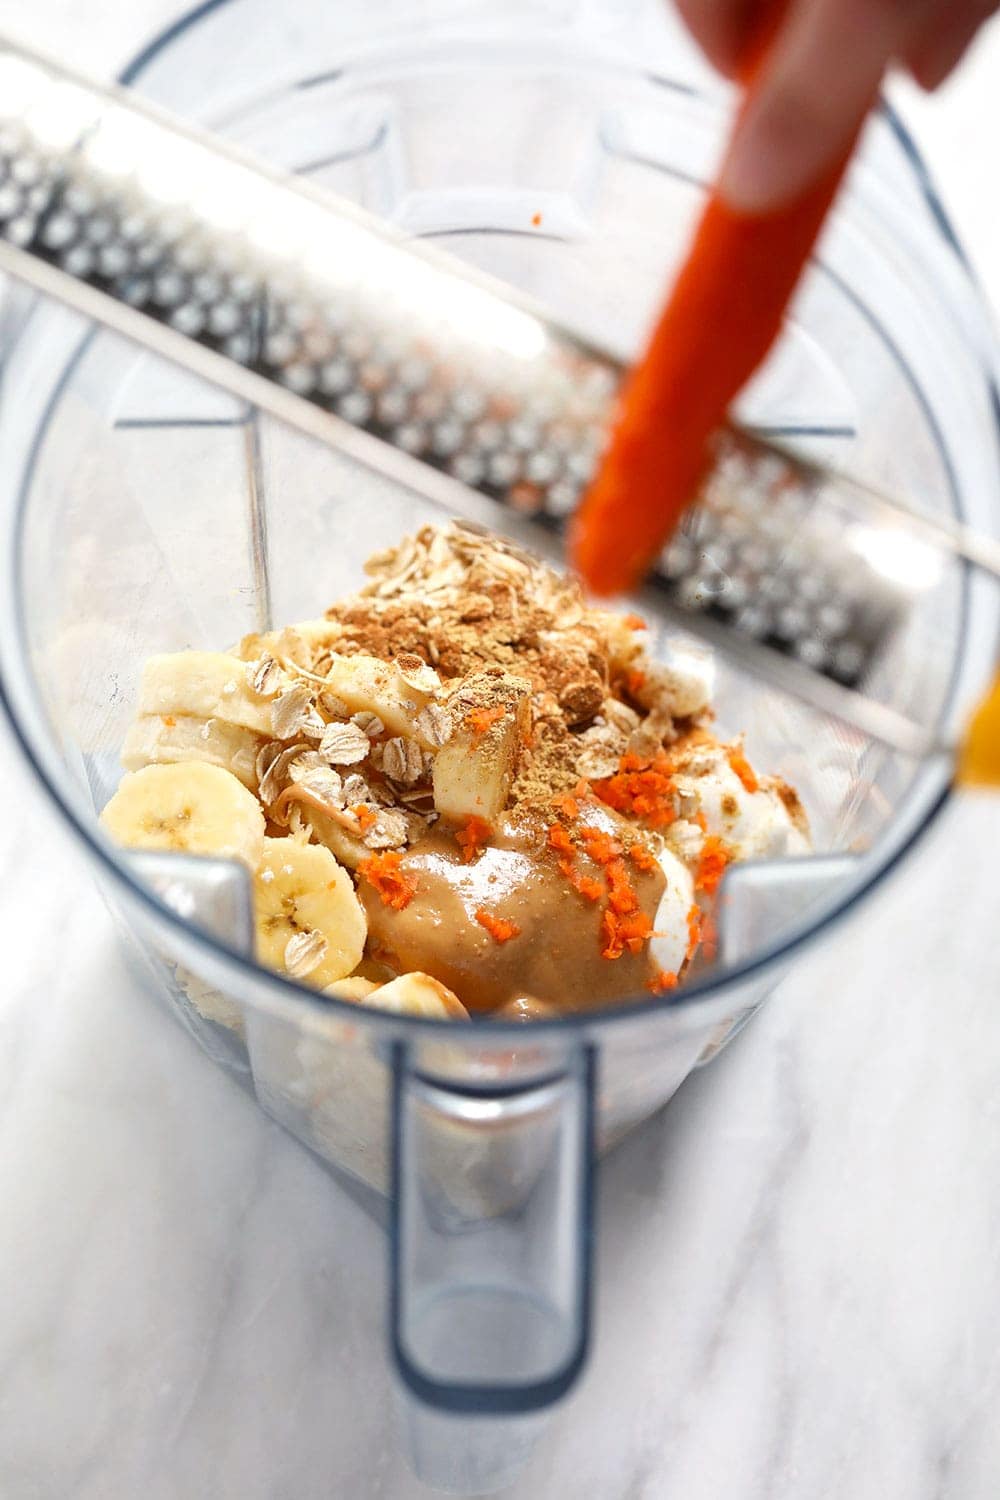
[491, 1235]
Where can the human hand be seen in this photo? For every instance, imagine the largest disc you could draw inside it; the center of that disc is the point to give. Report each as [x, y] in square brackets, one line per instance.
[821, 73]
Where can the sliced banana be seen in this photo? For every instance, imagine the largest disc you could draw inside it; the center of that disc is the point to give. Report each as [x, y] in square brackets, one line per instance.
[368, 685]
[157, 739]
[417, 995]
[344, 845]
[205, 685]
[310, 924]
[351, 988]
[191, 807]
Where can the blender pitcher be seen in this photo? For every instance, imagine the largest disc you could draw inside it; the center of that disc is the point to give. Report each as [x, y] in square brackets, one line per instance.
[562, 147]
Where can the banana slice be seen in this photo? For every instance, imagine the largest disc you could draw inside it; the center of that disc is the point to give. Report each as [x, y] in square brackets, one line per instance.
[345, 846]
[207, 685]
[417, 995]
[310, 924]
[156, 739]
[368, 685]
[351, 988]
[193, 808]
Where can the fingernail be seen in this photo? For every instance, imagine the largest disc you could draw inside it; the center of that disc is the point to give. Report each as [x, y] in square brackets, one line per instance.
[765, 166]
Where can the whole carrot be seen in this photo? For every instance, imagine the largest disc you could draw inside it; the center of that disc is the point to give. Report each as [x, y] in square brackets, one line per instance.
[723, 316]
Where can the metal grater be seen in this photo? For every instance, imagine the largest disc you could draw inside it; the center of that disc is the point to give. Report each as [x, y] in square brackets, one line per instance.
[434, 374]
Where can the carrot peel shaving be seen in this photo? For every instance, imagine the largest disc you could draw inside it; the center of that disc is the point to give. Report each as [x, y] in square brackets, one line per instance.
[499, 929]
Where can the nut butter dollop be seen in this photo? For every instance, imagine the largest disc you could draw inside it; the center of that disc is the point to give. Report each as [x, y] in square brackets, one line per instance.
[555, 955]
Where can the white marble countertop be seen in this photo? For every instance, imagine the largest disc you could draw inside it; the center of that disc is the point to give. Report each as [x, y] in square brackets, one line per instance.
[799, 1273]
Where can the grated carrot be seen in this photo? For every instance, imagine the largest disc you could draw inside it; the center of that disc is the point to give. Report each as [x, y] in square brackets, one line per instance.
[593, 890]
[643, 858]
[600, 846]
[635, 622]
[662, 981]
[712, 864]
[364, 815]
[472, 836]
[634, 682]
[560, 840]
[621, 896]
[624, 931]
[743, 768]
[568, 806]
[479, 720]
[384, 873]
[641, 789]
[499, 929]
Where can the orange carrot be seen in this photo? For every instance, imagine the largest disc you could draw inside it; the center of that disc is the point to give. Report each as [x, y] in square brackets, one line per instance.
[712, 864]
[661, 982]
[472, 837]
[499, 929]
[743, 769]
[383, 872]
[479, 720]
[560, 840]
[723, 316]
[600, 846]
[629, 931]
[593, 890]
[621, 895]
[643, 858]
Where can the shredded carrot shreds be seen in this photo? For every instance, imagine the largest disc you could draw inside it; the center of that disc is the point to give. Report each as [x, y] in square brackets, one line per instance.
[593, 890]
[383, 872]
[743, 769]
[634, 682]
[499, 929]
[600, 846]
[643, 858]
[661, 982]
[364, 815]
[479, 720]
[641, 789]
[569, 807]
[635, 622]
[473, 835]
[701, 821]
[560, 840]
[712, 864]
[621, 896]
[694, 932]
[624, 931]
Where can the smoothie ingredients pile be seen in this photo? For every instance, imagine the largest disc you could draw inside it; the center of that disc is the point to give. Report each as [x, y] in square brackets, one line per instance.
[461, 790]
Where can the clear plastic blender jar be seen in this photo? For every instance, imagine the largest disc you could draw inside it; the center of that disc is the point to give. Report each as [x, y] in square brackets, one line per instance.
[564, 148]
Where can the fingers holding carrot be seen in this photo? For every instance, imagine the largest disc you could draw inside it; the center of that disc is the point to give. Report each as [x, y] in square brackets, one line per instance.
[813, 70]
[828, 57]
